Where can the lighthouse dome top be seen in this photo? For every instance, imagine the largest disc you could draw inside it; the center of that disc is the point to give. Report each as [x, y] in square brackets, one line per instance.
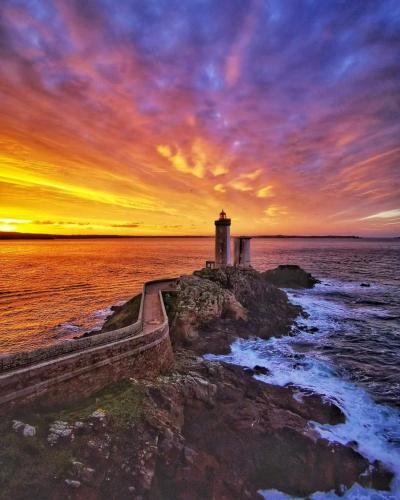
[222, 214]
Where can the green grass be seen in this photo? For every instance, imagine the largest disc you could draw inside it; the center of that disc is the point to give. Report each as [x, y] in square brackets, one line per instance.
[125, 316]
[123, 400]
[29, 467]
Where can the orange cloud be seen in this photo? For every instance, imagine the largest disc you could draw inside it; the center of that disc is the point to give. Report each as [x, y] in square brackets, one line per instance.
[220, 188]
[100, 130]
[265, 192]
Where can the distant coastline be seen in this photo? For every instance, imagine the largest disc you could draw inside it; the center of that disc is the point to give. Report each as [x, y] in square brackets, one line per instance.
[6, 236]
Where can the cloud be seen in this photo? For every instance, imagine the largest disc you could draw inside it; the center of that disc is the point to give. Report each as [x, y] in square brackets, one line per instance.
[220, 188]
[387, 214]
[82, 223]
[15, 221]
[219, 170]
[265, 192]
[126, 224]
[275, 211]
[240, 185]
[151, 111]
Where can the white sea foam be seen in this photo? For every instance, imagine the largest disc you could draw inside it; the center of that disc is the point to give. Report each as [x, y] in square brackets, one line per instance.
[322, 304]
[375, 427]
[102, 313]
[69, 327]
[356, 492]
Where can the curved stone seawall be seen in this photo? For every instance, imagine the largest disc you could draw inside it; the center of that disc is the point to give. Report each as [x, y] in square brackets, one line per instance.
[20, 359]
[77, 368]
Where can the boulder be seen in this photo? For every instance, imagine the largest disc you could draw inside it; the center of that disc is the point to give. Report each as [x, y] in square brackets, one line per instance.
[290, 276]
[25, 429]
[29, 431]
[261, 370]
[59, 430]
[200, 301]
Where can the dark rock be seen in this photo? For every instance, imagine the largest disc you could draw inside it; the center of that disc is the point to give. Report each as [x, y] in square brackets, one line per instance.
[352, 444]
[366, 285]
[261, 370]
[249, 371]
[88, 334]
[254, 433]
[290, 276]
[207, 430]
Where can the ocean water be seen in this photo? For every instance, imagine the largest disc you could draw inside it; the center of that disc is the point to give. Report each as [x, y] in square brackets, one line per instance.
[53, 290]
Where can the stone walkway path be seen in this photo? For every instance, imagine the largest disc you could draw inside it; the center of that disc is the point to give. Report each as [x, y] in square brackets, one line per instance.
[152, 308]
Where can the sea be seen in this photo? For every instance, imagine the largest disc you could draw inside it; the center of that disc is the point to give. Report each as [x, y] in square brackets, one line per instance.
[348, 349]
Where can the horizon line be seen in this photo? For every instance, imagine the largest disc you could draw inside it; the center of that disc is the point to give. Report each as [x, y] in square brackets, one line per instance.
[9, 235]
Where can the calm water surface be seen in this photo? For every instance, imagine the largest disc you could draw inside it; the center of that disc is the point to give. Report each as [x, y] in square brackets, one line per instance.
[51, 291]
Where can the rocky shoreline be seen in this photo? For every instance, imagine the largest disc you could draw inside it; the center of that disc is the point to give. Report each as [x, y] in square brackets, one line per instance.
[204, 430]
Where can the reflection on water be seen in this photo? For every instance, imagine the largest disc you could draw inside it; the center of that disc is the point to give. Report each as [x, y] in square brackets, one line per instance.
[50, 290]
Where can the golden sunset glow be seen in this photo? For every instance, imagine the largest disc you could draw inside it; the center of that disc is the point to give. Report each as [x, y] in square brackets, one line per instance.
[104, 130]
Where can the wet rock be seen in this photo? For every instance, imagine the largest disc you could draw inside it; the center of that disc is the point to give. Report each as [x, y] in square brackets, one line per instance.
[314, 407]
[290, 276]
[352, 444]
[249, 438]
[376, 477]
[249, 371]
[261, 370]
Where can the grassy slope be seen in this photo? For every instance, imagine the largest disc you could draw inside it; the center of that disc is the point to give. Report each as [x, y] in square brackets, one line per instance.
[29, 466]
[123, 316]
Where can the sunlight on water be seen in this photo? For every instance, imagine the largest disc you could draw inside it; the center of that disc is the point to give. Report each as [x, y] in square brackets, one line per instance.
[51, 291]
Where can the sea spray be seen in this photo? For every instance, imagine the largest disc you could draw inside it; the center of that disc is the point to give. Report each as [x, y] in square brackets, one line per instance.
[300, 360]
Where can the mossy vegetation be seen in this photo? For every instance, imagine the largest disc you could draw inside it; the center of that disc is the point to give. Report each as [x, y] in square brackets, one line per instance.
[123, 315]
[122, 400]
[29, 466]
[170, 300]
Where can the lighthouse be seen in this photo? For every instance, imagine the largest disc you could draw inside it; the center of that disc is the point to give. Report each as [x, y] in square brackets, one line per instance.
[222, 240]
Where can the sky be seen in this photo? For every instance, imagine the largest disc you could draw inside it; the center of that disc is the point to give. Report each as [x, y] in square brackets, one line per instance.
[147, 117]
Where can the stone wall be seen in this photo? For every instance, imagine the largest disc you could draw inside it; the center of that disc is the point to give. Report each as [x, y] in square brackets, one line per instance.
[81, 371]
[20, 359]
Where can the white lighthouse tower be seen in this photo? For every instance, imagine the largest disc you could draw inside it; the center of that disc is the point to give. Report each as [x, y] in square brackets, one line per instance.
[222, 240]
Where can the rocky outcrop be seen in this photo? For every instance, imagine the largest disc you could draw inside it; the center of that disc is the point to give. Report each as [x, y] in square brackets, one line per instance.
[204, 431]
[214, 306]
[200, 301]
[290, 276]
